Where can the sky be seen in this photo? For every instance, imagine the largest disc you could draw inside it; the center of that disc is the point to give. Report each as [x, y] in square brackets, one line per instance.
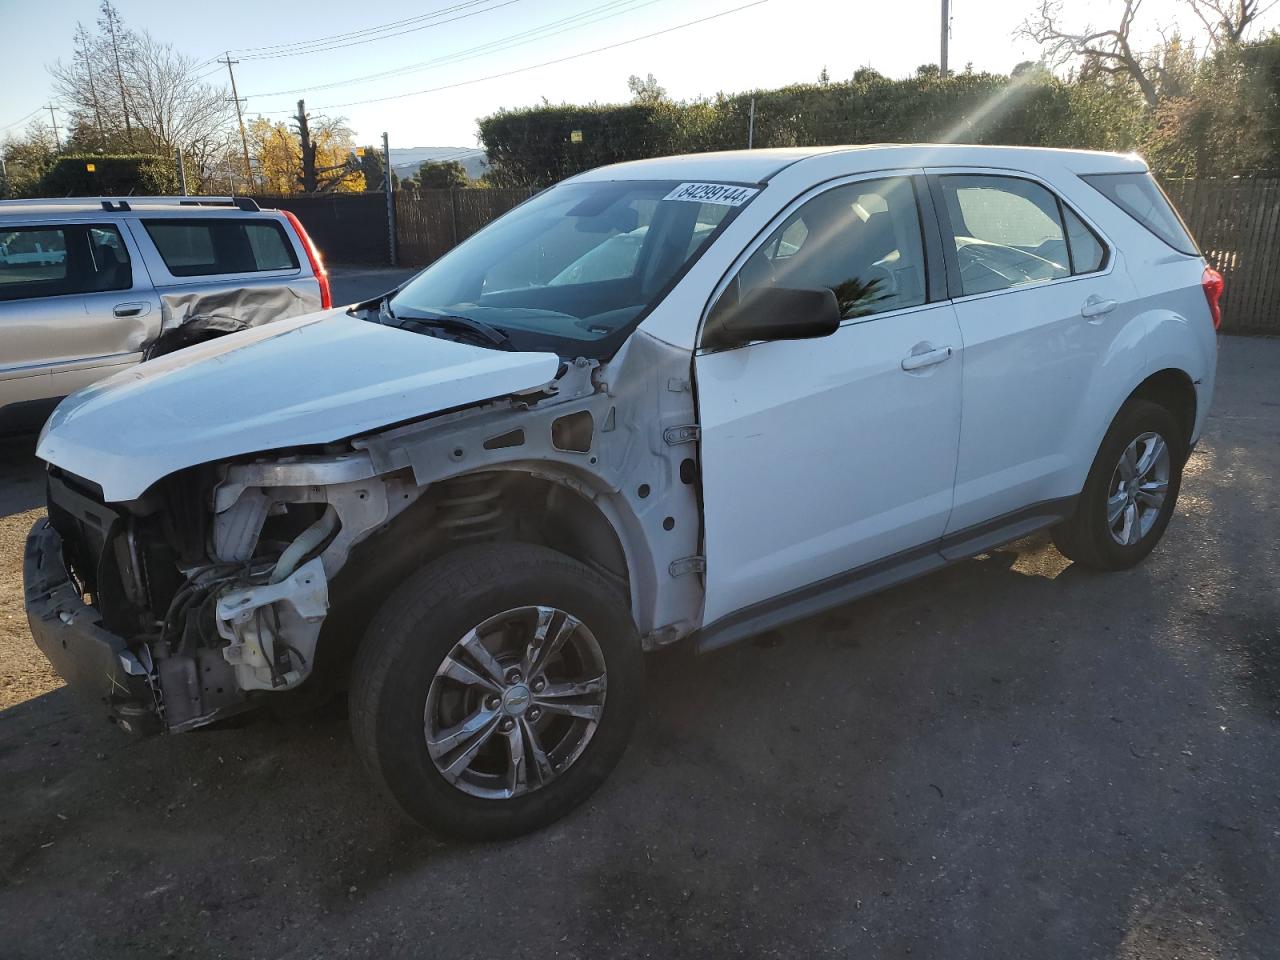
[454, 48]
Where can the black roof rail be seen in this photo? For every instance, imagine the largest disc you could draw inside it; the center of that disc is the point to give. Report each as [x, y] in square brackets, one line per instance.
[247, 204]
[121, 206]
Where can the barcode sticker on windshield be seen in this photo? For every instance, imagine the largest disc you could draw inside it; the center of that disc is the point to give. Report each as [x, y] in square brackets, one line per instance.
[725, 193]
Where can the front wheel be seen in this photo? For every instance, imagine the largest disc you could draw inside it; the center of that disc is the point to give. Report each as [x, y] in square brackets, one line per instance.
[496, 689]
[1131, 491]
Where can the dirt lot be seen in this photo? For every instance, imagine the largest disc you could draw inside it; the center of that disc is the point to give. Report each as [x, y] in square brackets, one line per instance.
[1010, 758]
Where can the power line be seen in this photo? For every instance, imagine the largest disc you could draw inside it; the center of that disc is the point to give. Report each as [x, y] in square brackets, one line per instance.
[346, 35]
[565, 24]
[22, 120]
[386, 36]
[536, 66]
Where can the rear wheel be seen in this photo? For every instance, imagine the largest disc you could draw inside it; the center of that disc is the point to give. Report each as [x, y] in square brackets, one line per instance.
[1131, 491]
[496, 689]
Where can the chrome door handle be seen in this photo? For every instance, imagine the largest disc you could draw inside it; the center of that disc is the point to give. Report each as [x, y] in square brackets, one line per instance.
[1096, 306]
[917, 361]
[132, 309]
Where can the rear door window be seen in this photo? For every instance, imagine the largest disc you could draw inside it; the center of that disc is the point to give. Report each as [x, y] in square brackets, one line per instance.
[1138, 195]
[53, 261]
[208, 246]
[1007, 232]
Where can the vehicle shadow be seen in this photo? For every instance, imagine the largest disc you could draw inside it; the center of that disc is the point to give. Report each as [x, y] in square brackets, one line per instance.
[968, 742]
[21, 476]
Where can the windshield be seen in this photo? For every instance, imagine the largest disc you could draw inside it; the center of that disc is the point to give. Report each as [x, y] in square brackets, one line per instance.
[576, 268]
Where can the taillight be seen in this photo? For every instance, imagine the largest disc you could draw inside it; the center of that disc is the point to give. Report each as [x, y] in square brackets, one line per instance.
[313, 255]
[1213, 285]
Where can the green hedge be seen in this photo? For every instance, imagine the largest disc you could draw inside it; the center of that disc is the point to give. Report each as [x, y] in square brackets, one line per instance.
[113, 175]
[537, 146]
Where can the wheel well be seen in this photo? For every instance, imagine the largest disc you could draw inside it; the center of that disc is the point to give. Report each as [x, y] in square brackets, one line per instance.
[493, 505]
[1174, 391]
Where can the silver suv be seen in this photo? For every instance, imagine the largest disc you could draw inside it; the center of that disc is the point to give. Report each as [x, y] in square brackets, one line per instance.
[89, 286]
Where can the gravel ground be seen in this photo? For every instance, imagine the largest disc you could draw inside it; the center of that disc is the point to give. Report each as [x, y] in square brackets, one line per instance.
[1009, 758]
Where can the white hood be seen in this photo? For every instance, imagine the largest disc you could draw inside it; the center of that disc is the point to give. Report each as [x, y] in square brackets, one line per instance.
[312, 379]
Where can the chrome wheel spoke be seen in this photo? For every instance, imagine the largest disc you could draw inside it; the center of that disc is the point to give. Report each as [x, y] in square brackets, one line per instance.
[457, 670]
[483, 658]
[583, 711]
[1128, 462]
[579, 688]
[1152, 492]
[518, 773]
[468, 737]
[1115, 507]
[1150, 456]
[553, 628]
[1129, 533]
[541, 763]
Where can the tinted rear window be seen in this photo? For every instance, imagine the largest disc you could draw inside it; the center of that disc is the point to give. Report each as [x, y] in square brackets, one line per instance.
[1138, 195]
[199, 248]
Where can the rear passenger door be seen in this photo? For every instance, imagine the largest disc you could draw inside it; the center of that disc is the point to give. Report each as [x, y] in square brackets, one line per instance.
[1039, 295]
[246, 267]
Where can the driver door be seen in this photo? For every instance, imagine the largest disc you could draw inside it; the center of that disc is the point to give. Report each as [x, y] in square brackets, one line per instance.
[823, 457]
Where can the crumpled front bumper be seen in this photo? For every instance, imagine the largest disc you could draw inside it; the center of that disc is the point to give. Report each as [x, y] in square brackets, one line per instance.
[97, 665]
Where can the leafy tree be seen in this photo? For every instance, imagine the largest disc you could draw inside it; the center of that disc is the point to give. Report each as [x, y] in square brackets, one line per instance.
[372, 167]
[442, 175]
[645, 91]
[27, 158]
[277, 149]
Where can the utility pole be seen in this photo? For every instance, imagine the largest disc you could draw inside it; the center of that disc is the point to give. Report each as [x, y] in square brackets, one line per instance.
[244, 141]
[391, 200]
[751, 125]
[182, 173]
[946, 35]
[56, 138]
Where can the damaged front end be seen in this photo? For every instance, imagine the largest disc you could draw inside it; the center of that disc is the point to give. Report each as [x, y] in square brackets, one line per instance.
[226, 583]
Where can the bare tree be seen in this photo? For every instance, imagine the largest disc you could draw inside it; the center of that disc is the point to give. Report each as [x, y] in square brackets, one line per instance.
[157, 101]
[172, 105]
[1227, 20]
[1107, 50]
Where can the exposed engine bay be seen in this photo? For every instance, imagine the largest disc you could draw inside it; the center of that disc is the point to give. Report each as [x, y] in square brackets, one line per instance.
[234, 582]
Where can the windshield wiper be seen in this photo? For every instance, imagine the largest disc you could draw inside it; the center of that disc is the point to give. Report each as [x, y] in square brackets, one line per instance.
[478, 329]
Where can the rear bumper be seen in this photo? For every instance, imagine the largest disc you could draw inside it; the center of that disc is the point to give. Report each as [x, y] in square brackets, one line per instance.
[98, 666]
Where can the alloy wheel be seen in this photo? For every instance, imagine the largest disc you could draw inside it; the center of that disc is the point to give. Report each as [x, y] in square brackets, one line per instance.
[515, 702]
[1138, 489]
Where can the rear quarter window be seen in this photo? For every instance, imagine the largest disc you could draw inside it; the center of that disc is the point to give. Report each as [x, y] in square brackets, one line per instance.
[209, 246]
[1138, 195]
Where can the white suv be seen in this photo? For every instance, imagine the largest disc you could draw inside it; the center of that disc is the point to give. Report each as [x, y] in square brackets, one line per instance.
[807, 375]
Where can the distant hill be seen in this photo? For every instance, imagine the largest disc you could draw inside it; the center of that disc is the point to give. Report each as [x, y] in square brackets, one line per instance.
[405, 161]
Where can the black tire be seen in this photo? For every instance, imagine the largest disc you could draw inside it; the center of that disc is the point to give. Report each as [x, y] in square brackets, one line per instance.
[1086, 537]
[419, 625]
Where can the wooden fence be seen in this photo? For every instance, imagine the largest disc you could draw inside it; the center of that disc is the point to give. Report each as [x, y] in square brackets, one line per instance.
[1237, 225]
[430, 225]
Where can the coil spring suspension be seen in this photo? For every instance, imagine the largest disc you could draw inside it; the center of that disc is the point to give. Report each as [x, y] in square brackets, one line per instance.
[471, 507]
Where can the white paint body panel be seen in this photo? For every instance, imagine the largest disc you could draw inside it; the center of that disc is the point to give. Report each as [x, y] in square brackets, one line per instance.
[312, 379]
[821, 456]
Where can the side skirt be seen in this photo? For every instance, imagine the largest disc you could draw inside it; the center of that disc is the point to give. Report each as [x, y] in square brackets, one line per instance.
[880, 575]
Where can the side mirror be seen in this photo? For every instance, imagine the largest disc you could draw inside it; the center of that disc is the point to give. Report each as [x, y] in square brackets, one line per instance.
[771, 313]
